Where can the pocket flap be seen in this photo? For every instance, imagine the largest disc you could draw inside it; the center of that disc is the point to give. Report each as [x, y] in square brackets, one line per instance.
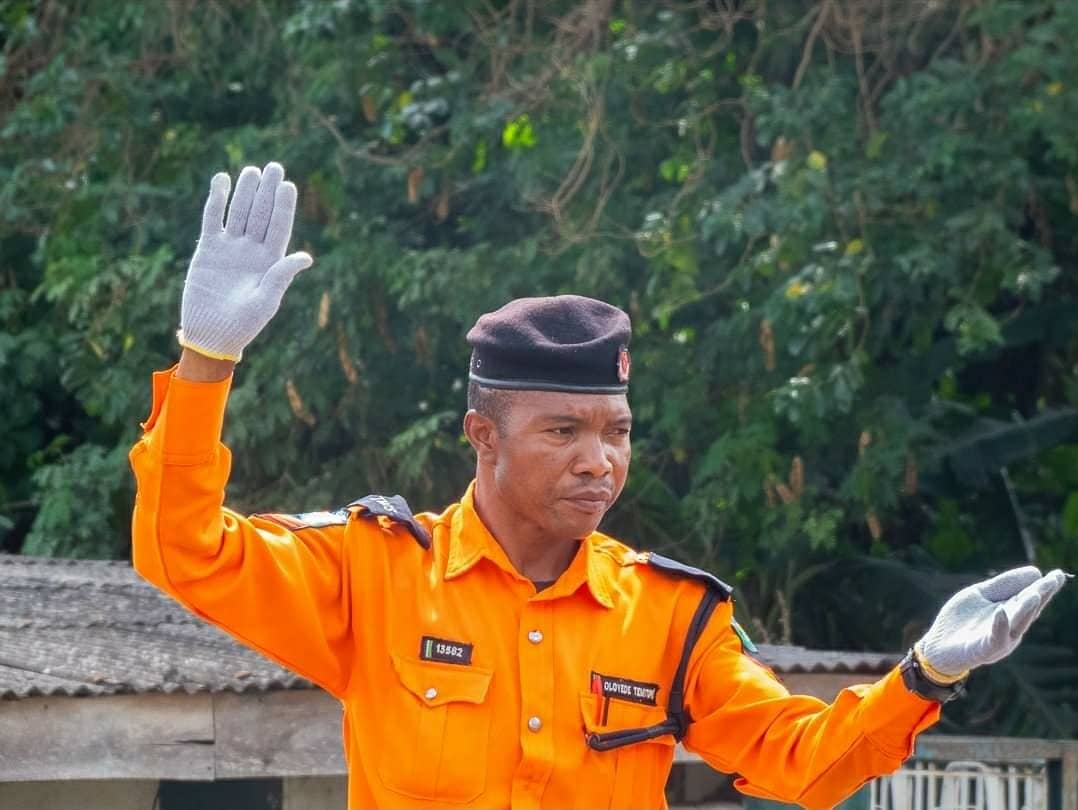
[436, 684]
[620, 716]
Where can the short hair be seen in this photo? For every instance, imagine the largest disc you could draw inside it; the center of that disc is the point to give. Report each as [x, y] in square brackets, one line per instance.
[493, 403]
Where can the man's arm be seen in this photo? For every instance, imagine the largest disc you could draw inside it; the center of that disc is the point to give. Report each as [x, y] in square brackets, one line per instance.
[795, 748]
[283, 590]
[799, 749]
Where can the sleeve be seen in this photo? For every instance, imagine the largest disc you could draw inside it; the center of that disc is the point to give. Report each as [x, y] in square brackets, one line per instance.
[285, 593]
[794, 748]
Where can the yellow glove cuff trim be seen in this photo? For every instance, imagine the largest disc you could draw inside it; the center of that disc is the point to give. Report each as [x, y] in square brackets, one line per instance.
[210, 354]
[934, 674]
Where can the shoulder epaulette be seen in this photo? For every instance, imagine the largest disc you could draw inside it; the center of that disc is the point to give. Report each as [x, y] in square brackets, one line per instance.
[396, 509]
[679, 570]
[308, 520]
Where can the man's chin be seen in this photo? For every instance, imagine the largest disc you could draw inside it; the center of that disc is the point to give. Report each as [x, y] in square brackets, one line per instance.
[572, 521]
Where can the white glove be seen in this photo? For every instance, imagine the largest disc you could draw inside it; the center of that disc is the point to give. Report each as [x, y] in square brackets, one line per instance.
[985, 622]
[239, 272]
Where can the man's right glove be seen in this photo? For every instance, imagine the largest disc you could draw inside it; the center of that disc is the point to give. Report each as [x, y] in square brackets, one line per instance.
[985, 622]
[239, 272]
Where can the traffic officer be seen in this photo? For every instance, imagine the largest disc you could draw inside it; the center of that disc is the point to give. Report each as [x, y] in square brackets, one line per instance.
[503, 653]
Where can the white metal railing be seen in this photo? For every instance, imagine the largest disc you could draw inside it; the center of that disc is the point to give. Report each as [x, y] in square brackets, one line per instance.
[963, 785]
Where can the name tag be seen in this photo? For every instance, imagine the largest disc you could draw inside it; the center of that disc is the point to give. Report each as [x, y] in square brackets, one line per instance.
[624, 689]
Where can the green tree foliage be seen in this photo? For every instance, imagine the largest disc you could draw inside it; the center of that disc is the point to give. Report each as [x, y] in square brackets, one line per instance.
[845, 229]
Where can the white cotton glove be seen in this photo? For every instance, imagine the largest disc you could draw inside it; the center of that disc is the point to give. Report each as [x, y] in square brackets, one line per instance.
[239, 272]
[985, 622]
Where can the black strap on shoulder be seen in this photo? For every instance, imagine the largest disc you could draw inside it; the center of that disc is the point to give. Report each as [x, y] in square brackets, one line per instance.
[396, 509]
[677, 718]
[675, 707]
[680, 570]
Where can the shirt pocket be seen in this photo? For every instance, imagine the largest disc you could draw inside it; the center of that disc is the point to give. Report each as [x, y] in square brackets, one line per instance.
[438, 729]
[633, 775]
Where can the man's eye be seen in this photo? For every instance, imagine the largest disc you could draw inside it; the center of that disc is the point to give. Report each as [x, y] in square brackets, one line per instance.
[562, 431]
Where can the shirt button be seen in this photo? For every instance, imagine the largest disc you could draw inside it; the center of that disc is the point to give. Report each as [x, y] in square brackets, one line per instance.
[534, 723]
[431, 693]
[535, 636]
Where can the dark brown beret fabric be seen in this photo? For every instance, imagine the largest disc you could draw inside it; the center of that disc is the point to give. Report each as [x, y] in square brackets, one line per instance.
[559, 343]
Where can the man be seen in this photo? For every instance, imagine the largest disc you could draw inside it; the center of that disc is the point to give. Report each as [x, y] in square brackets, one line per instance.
[504, 653]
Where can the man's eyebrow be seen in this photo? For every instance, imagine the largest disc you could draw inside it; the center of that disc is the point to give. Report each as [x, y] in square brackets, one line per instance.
[566, 418]
[560, 417]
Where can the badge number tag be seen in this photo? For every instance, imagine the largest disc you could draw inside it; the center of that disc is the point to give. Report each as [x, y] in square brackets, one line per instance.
[448, 652]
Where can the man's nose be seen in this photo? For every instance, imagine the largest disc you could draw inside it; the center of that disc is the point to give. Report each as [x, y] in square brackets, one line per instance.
[593, 458]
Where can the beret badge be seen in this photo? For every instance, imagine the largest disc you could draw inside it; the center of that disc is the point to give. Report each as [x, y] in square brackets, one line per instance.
[624, 364]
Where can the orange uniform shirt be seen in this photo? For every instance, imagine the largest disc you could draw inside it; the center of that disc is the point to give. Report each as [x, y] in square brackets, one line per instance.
[461, 685]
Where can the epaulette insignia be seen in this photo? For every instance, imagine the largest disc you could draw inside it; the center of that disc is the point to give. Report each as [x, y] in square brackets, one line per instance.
[308, 520]
[396, 509]
[680, 570]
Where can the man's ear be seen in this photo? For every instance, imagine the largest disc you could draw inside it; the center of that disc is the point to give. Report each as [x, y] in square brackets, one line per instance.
[482, 434]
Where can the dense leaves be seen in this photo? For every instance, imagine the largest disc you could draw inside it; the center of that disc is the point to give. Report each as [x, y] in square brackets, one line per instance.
[846, 231]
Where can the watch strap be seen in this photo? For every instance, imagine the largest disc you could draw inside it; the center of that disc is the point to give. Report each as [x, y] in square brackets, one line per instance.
[915, 679]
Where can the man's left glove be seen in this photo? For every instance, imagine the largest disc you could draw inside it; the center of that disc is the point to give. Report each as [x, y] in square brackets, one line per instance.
[985, 622]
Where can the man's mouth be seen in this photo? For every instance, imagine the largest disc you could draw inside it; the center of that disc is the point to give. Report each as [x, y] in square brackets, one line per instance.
[592, 503]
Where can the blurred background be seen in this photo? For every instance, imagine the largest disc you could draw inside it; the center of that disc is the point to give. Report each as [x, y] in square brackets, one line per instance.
[846, 232]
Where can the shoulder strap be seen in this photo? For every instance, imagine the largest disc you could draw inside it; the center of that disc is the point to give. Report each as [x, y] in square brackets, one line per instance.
[677, 718]
[717, 591]
[396, 509]
[680, 570]
[675, 707]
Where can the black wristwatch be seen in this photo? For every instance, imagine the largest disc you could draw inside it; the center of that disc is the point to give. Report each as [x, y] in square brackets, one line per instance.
[920, 684]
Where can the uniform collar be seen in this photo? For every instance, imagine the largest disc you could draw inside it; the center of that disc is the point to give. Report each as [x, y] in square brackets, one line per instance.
[470, 541]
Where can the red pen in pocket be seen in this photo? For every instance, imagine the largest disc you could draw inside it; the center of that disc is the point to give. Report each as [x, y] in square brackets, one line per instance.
[597, 689]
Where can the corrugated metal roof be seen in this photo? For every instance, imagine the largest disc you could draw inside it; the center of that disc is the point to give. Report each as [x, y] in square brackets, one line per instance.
[78, 627]
[789, 659]
[81, 627]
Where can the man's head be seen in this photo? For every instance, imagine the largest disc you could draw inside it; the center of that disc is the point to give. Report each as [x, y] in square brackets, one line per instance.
[548, 414]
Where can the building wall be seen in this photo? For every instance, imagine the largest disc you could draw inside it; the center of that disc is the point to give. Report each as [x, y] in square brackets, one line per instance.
[314, 793]
[300, 793]
[128, 794]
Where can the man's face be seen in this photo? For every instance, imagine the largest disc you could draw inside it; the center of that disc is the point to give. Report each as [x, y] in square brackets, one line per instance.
[560, 460]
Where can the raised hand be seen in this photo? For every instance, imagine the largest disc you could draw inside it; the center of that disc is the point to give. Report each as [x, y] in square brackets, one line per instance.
[985, 622]
[240, 272]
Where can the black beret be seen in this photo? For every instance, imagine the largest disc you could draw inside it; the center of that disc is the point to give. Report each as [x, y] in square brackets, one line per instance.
[560, 343]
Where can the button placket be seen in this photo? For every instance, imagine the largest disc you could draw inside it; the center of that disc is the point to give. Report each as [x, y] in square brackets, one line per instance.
[536, 657]
[536, 661]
